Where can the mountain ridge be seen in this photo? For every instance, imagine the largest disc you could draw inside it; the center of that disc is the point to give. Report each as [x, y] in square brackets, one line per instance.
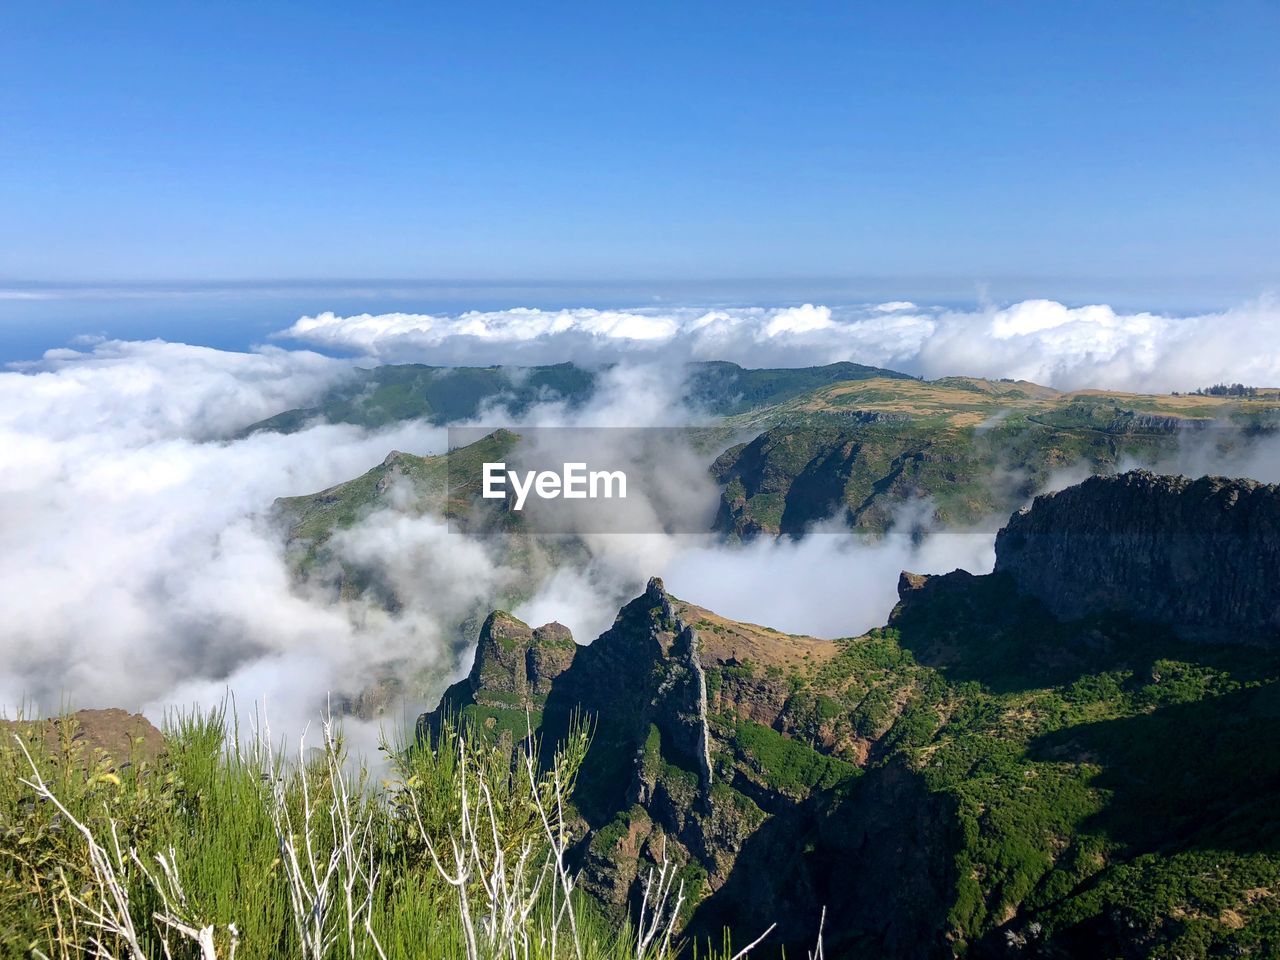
[979, 776]
[1199, 555]
[378, 396]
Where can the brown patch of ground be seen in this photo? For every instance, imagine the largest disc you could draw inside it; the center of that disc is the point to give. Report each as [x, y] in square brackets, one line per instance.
[1231, 918]
[726, 640]
[962, 398]
[119, 736]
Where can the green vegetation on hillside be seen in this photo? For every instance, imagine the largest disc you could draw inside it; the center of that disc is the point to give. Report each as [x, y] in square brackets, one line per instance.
[1080, 753]
[728, 389]
[977, 779]
[1091, 788]
[423, 485]
[960, 451]
[214, 850]
[843, 439]
[378, 396]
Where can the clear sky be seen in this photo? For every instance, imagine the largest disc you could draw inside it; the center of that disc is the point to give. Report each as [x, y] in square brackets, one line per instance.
[597, 141]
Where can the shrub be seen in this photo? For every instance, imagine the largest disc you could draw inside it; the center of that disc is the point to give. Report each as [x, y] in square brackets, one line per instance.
[223, 848]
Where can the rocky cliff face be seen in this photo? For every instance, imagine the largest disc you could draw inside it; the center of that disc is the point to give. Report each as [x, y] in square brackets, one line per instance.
[1202, 556]
[989, 776]
[516, 665]
[702, 739]
[514, 669]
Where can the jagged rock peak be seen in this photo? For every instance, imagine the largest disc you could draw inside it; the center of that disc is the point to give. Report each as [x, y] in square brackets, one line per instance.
[499, 666]
[655, 657]
[553, 632]
[656, 592]
[551, 654]
[515, 662]
[393, 458]
[1202, 556]
[500, 620]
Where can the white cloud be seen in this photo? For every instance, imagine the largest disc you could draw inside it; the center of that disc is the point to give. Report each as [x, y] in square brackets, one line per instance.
[798, 320]
[136, 555]
[139, 568]
[832, 583]
[149, 390]
[374, 333]
[1040, 340]
[139, 565]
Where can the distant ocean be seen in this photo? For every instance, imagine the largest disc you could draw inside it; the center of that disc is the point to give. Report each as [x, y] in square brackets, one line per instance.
[237, 316]
[35, 317]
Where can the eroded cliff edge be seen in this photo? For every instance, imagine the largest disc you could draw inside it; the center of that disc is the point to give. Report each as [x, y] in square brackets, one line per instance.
[1202, 556]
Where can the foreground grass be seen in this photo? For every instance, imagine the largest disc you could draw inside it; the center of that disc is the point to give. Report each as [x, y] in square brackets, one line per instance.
[215, 849]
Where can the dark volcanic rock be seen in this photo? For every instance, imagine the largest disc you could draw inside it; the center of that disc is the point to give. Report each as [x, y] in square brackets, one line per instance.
[514, 669]
[500, 672]
[642, 684]
[515, 664]
[1202, 556]
[645, 670]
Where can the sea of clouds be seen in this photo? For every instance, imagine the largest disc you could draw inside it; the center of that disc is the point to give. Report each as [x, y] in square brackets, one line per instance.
[140, 566]
[1039, 340]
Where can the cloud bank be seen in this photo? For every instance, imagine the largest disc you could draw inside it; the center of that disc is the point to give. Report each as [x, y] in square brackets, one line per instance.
[137, 556]
[140, 567]
[1039, 340]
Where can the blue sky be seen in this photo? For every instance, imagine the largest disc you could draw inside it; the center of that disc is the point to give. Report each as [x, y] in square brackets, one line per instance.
[1075, 143]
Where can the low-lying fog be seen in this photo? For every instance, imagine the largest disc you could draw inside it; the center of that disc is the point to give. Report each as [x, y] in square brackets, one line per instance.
[139, 567]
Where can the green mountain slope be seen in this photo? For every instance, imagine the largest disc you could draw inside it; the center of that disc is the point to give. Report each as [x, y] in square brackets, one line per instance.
[843, 439]
[974, 449]
[388, 394]
[964, 447]
[978, 778]
[727, 389]
[439, 488]
[404, 482]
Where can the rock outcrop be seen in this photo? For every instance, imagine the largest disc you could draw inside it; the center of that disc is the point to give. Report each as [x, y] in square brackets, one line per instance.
[550, 654]
[514, 669]
[1201, 556]
[691, 715]
[980, 778]
[515, 664]
[646, 671]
